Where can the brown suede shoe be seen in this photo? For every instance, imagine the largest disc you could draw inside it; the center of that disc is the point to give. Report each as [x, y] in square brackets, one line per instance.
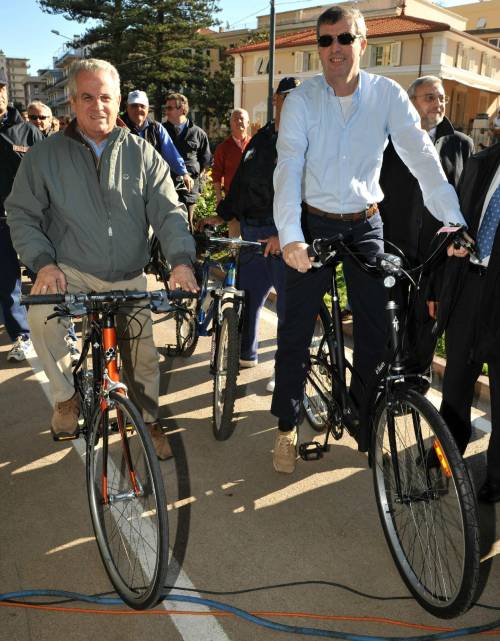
[64, 424]
[160, 441]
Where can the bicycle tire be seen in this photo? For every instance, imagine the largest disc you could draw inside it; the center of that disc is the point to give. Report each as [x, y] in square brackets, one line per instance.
[431, 526]
[131, 531]
[225, 375]
[322, 356]
[186, 333]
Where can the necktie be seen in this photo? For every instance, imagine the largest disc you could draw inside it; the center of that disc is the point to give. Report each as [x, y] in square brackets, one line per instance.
[178, 129]
[489, 225]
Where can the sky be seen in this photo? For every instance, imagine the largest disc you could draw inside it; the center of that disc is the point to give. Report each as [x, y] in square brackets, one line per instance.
[26, 30]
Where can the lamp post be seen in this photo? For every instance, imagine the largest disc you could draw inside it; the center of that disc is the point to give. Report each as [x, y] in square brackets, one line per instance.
[58, 33]
[272, 37]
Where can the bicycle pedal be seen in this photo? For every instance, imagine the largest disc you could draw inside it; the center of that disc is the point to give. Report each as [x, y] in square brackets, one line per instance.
[312, 451]
[65, 437]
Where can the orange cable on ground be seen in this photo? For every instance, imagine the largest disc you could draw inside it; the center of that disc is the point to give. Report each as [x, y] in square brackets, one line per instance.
[216, 613]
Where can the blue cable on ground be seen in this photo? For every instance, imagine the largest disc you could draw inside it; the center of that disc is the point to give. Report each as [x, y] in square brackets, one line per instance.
[267, 623]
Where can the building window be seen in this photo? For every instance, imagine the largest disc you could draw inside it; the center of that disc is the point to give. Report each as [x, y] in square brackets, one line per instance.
[262, 65]
[494, 41]
[384, 55]
[306, 61]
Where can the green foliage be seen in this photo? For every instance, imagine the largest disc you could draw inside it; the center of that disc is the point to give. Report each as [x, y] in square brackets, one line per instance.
[157, 45]
[206, 204]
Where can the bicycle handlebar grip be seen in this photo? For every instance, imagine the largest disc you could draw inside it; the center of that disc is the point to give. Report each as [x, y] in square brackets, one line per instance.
[43, 299]
[179, 294]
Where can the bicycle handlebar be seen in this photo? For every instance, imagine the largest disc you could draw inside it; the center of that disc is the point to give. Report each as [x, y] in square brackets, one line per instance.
[157, 298]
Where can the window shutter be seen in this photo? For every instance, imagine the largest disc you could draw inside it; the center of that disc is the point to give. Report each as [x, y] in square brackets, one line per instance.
[258, 65]
[460, 55]
[366, 57]
[299, 61]
[395, 58]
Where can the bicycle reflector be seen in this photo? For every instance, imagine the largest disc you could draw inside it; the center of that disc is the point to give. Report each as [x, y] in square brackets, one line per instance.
[443, 461]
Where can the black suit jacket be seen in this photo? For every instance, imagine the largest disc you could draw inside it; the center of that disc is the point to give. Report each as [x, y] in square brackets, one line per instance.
[472, 190]
[407, 222]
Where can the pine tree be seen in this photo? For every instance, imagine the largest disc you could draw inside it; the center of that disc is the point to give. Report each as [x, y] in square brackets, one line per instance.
[157, 45]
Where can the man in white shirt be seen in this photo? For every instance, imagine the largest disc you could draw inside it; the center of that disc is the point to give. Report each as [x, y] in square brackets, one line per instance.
[333, 131]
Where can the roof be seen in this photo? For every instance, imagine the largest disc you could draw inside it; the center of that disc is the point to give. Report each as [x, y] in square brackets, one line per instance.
[377, 27]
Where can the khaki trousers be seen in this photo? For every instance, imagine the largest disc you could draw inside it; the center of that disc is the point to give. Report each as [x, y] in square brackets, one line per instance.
[141, 371]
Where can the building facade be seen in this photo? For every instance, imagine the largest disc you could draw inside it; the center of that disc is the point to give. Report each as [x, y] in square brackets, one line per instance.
[16, 70]
[402, 45]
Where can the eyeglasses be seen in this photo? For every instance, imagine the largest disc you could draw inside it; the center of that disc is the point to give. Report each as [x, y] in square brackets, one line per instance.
[346, 38]
[433, 97]
[33, 117]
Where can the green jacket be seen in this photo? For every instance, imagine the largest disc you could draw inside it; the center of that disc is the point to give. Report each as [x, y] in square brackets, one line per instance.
[67, 207]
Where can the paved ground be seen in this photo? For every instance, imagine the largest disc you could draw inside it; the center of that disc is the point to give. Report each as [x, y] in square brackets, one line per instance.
[310, 542]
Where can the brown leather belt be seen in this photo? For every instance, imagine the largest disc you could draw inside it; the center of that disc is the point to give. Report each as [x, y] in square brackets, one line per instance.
[367, 213]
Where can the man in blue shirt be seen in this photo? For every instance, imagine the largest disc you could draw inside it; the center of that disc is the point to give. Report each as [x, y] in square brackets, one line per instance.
[333, 131]
[136, 119]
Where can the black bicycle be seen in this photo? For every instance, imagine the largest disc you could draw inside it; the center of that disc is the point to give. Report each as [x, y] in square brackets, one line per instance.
[424, 495]
[125, 487]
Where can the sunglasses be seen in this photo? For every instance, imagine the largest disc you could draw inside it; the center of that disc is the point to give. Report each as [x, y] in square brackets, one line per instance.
[32, 117]
[343, 39]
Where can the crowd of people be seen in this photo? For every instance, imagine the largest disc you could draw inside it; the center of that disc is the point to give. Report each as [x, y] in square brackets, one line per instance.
[348, 152]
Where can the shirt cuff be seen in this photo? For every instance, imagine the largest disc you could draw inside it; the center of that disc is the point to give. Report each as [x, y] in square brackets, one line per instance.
[42, 261]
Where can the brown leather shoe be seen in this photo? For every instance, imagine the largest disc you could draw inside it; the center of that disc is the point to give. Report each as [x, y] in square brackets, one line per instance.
[160, 441]
[64, 424]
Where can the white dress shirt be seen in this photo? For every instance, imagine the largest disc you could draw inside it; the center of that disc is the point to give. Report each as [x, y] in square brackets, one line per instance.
[334, 163]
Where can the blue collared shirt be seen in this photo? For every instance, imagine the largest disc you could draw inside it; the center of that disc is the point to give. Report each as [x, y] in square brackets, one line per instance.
[334, 165]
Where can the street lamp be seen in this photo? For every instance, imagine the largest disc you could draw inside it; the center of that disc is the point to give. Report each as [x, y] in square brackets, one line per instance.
[58, 33]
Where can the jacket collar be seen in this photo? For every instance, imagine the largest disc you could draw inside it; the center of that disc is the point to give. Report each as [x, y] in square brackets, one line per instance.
[445, 128]
[72, 132]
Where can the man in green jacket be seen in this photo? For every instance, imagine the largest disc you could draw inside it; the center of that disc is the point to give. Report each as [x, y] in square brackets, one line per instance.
[79, 214]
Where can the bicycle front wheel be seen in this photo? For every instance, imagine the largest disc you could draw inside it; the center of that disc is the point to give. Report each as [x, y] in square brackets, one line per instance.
[426, 504]
[127, 503]
[319, 382]
[225, 375]
[186, 332]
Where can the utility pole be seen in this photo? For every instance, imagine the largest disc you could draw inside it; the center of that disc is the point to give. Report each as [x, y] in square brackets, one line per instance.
[272, 38]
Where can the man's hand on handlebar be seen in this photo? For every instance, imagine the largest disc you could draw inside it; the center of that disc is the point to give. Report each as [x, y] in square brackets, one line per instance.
[295, 255]
[272, 247]
[209, 220]
[459, 247]
[188, 182]
[49, 280]
[182, 277]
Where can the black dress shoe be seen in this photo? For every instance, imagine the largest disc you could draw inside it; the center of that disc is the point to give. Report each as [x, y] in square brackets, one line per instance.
[490, 492]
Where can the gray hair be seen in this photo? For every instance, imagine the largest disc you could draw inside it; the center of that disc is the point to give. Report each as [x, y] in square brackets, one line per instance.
[337, 12]
[91, 65]
[38, 104]
[240, 111]
[423, 80]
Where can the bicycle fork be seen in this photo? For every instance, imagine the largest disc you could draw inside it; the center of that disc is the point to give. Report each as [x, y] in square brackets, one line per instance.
[111, 383]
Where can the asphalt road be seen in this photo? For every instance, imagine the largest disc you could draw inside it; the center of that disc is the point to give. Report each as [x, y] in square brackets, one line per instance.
[241, 534]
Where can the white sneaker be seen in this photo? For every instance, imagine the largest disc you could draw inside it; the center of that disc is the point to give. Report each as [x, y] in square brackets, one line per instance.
[21, 349]
[271, 383]
[248, 363]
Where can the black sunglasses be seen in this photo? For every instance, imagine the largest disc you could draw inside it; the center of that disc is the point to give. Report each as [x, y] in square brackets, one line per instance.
[343, 38]
[32, 117]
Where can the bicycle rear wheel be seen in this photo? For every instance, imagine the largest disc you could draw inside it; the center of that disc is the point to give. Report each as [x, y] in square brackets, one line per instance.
[427, 507]
[319, 382]
[127, 503]
[225, 375]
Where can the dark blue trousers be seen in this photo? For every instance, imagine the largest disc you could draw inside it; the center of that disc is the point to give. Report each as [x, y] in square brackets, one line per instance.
[14, 314]
[257, 275]
[303, 296]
